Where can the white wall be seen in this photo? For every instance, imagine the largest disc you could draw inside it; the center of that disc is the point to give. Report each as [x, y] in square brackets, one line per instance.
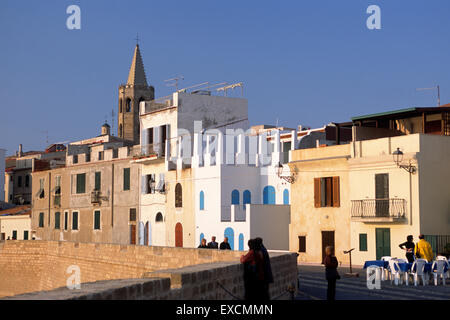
[19, 223]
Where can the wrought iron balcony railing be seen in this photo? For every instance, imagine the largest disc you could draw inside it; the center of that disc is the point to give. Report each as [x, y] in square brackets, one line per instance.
[379, 208]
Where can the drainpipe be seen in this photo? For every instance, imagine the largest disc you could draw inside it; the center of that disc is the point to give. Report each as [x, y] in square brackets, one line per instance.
[112, 195]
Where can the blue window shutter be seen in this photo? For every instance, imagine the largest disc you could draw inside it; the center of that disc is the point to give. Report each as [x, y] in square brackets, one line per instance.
[286, 196]
[241, 242]
[202, 200]
[247, 197]
[235, 197]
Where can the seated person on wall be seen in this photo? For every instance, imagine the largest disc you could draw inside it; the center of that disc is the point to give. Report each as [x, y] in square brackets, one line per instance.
[203, 244]
[213, 244]
[225, 245]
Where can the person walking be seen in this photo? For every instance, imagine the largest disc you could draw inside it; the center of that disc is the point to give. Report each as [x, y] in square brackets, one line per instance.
[213, 244]
[203, 244]
[423, 249]
[408, 246]
[331, 273]
[253, 272]
[225, 245]
[268, 276]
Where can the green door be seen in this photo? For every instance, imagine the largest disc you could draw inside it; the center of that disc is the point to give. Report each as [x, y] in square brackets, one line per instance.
[383, 240]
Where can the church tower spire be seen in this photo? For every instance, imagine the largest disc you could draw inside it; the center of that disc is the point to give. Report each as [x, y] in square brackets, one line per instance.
[130, 95]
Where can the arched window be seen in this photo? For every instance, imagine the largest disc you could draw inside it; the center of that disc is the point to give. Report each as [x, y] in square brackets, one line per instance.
[229, 233]
[241, 242]
[286, 196]
[128, 105]
[269, 195]
[235, 197]
[159, 217]
[120, 130]
[178, 196]
[202, 200]
[120, 105]
[247, 197]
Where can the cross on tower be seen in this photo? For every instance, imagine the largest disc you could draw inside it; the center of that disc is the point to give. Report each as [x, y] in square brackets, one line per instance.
[137, 38]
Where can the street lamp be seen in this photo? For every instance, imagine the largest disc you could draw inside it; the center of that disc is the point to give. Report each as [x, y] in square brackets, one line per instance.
[398, 157]
[279, 170]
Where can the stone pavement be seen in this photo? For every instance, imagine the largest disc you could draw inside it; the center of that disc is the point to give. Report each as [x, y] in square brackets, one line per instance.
[313, 286]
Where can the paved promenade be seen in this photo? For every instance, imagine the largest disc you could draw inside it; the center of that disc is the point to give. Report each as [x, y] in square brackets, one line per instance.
[313, 286]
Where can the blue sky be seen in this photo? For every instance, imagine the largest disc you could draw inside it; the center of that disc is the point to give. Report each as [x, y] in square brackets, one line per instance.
[302, 62]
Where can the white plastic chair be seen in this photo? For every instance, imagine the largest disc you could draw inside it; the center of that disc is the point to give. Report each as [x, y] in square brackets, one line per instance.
[385, 273]
[440, 271]
[396, 273]
[448, 264]
[419, 266]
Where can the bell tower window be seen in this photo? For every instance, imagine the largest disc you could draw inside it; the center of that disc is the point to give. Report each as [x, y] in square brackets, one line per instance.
[128, 105]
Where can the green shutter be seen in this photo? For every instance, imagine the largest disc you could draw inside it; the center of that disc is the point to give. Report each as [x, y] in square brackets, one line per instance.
[41, 220]
[81, 183]
[25, 235]
[66, 220]
[14, 234]
[75, 221]
[126, 179]
[57, 220]
[98, 180]
[362, 242]
[97, 220]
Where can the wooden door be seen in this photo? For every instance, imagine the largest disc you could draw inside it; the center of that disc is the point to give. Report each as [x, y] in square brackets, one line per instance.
[383, 242]
[178, 235]
[327, 240]
[133, 234]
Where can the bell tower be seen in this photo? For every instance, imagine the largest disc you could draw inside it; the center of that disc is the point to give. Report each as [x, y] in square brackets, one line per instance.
[130, 95]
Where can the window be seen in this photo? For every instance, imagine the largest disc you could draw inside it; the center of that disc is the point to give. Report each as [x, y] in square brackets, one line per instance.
[235, 197]
[101, 155]
[128, 105]
[98, 181]
[120, 105]
[247, 197]
[14, 235]
[58, 185]
[57, 220]
[326, 192]
[75, 158]
[286, 196]
[151, 180]
[97, 220]
[27, 181]
[363, 242]
[75, 220]
[269, 195]
[202, 200]
[115, 153]
[88, 157]
[19, 181]
[301, 244]
[120, 130]
[25, 235]
[126, 179]
[132, 214]
[41, 192]
[178, 196]
[66, 220]
[159, 217]
[41, 219]
[81, 183]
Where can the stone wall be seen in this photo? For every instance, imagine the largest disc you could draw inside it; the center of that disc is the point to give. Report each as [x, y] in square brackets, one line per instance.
[170, 273]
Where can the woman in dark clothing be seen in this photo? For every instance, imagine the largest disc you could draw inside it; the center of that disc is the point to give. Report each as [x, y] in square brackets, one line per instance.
[331, 273]
[253, 272]
[409, 247]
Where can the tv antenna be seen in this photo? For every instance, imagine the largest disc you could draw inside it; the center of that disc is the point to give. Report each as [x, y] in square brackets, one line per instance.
[46, 136]
[433, 88]
[173, 82]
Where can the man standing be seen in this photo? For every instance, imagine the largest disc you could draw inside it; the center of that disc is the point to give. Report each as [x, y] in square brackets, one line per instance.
[213, 244]
[225, 245]
[268, 277]
[423, 249]
[203, 244]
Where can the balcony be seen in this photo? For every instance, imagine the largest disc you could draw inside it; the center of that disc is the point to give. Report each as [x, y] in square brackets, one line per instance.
[148, 152]
[57, 200]
[95, 196]
[378, 210]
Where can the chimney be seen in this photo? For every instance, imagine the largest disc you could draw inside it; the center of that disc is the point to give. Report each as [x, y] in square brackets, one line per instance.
[20, 150]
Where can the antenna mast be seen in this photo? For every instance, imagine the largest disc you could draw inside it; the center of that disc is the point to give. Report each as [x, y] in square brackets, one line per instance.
[438, 93]
[173, 82]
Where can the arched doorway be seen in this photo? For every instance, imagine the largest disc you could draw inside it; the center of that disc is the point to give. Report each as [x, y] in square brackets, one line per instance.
[229, 233]
[269, 195]
[178, 235]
